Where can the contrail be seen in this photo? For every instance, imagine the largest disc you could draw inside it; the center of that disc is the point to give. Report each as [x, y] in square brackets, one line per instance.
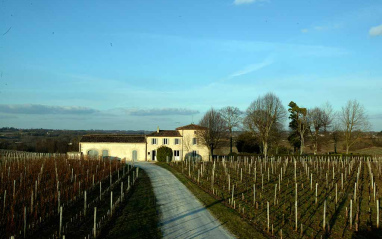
[7, 31]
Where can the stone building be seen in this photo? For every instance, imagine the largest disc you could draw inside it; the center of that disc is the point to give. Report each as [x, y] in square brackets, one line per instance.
[182, 141]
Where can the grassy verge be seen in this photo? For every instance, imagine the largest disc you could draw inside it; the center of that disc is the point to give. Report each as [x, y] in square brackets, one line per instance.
[228, 217]
[138, 218]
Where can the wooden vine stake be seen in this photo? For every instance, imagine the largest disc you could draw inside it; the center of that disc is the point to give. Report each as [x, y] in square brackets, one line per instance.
[274, 202]
[295, 205]
[100, 190]
[268, 216]
[85, 205]
[58, 200]
[95, 222]
[111, 203]
[229, 183]
[311, 185]
[316, 192]
[122, 190]
[377, 213]
[59, 231]
[336, 195]
[233, 192]
[324, 216]
[25, 221]
[351, 213]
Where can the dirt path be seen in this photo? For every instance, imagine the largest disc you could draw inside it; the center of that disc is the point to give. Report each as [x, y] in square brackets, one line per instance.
[181, 214]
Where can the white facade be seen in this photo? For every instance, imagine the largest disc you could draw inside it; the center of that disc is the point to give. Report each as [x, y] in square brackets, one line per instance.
[182, 141]
[129, 151]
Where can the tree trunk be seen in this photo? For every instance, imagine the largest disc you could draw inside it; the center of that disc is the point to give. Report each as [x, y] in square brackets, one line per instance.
[302, 145]
[265, 148]
[315, 148]
[347, 148]
[230, 144]
[335, 147]
[315, 144]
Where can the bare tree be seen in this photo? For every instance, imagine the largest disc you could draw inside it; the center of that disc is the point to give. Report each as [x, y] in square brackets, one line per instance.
[354, 122]
[327, 116]
[336, 134]
[319, 120]
[262, 115]
[215, 130]
[232, 117]
[315, 123]
[187, 143]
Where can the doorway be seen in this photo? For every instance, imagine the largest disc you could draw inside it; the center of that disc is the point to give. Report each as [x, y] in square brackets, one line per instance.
[153, 155]
[135, 155]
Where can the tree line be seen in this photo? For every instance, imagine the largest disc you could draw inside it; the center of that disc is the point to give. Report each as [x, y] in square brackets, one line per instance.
[264, 120]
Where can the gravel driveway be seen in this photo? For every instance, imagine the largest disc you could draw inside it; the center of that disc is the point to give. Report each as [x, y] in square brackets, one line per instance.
[181, 213]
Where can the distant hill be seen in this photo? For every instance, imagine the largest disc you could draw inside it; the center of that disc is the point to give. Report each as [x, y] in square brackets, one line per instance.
[50, 140]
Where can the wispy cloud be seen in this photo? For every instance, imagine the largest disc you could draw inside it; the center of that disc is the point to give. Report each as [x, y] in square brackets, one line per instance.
[161, 112]
[8, 116]
[240, 2]
[375, 31]
[44, 109]
[251, 68]
[282, 48]
[376, 116]
[322, 28]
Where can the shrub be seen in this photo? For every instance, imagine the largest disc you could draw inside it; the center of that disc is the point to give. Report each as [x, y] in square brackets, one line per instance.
[194, 157]
[163, 152]
[232, 154]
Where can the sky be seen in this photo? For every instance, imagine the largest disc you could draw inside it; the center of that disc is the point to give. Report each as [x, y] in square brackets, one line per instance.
[139, 64]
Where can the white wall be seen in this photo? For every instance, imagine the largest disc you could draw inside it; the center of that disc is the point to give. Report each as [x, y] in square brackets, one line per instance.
[120, 150]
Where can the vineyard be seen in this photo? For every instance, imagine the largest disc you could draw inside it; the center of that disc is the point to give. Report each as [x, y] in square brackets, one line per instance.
[297, 197]
[51, 196]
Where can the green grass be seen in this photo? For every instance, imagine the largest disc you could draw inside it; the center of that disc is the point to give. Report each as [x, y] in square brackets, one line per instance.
[371, 151]
[139, 217]
[238, 226]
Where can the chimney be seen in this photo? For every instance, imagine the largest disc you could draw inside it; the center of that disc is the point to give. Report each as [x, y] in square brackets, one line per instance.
[158, 129]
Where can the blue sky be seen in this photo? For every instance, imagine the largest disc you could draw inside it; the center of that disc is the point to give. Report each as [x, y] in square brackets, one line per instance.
[138, 64]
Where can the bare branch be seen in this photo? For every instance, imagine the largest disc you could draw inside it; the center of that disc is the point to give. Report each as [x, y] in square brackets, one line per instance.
[353, 121]
[262, 115]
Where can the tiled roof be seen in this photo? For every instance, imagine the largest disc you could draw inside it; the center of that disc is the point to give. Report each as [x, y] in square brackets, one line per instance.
[191, 127]
[165, 133]
[103, 138]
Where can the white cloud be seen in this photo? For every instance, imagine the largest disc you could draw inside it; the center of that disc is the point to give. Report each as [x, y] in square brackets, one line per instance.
[323, 28]
[161, 112]
[375, 31]
[45, 109]
[252, 68]
[240, 2]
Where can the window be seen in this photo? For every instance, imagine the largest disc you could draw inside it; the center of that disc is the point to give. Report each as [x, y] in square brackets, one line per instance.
[153, 141]
[165, 141]
[176, 141]
[176, 153]
[194, 141]
[105, 153]
[93, 153]
[194, 153]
